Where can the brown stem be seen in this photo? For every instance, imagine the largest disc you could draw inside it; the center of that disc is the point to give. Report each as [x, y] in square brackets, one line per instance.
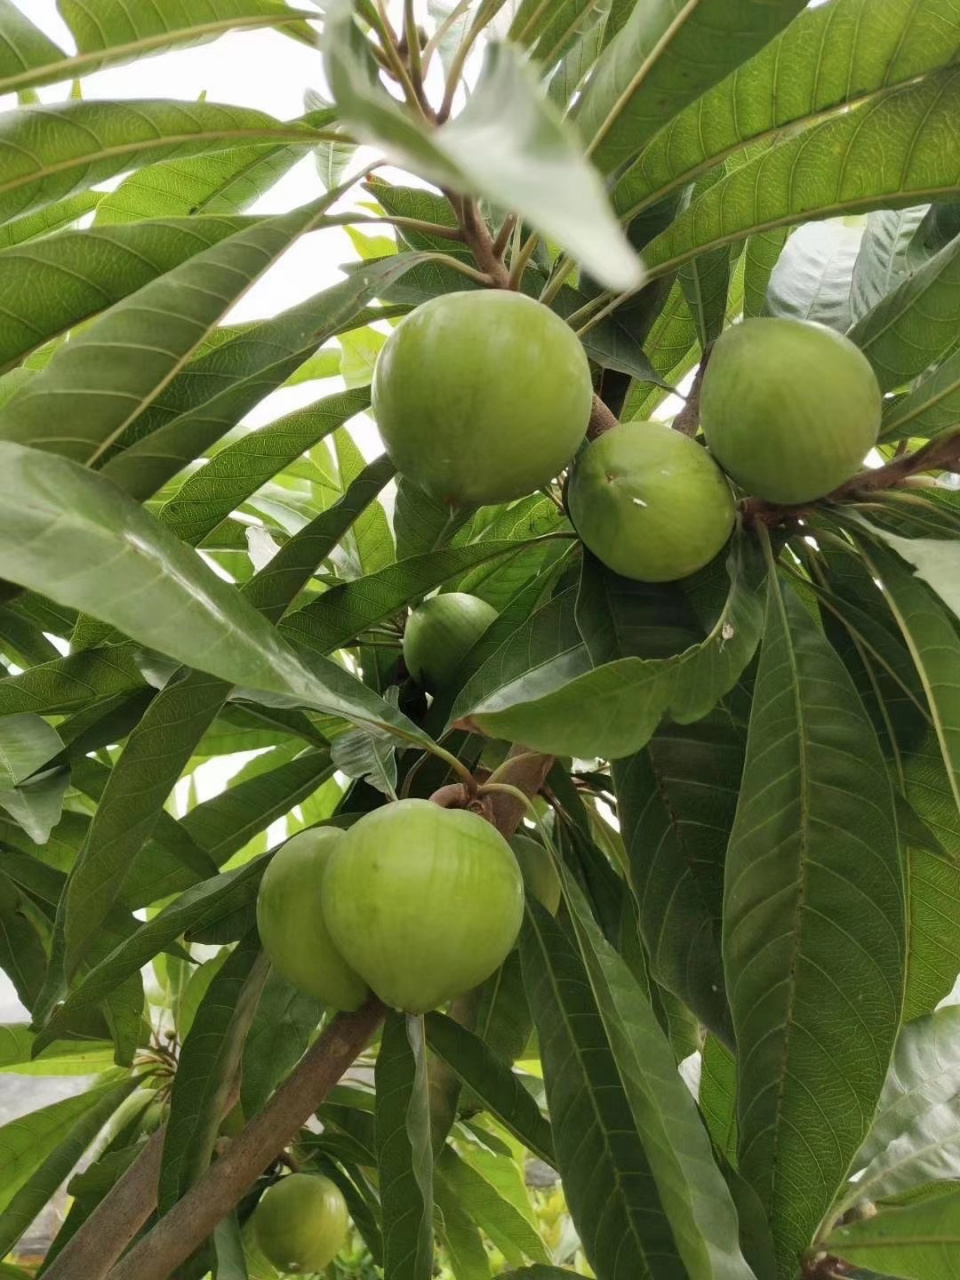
[503, 236]
[938, 455]
[115, 1221]
[191, 1220]
[477, 236]
[601, 419]
[525, 770]
[687, 421]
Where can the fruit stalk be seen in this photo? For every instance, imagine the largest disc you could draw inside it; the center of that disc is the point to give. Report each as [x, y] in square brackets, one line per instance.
[181, 1231]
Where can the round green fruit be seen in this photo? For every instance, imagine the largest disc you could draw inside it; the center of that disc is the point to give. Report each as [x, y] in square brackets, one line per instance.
[650, 503]
[789, 408]
[291, 922]
[439, 634]
[423, 902]
[540, 877]
[482, 397]
[301, 1222]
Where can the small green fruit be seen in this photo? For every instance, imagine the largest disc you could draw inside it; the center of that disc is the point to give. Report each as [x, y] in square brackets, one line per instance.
[540, 876]
[291, 922]
[482, 397]
[439, 634]
[423, 902]
[650, 503]
[301, 1223]
[789, 408]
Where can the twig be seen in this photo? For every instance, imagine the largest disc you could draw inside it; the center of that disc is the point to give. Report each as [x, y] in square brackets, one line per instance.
[938, 455]
[476, 235]
[504, 234]
[687, 420]
[518, 265]
[411, 38]
[191, 1220]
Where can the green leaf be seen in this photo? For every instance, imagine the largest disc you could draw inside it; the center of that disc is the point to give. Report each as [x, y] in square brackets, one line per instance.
[22, 956]
[813, 926]
[108, 31]
[64, 279]
[404, 1152]
[613, 710]
[37, 805]
[95, 562]
[230, 1261]
[812, 276]
[914, 325]
[534, 167]
[50, 152]
[461, 1238]
[933, 897]
[66, 684]
[278, 1037]
[760, 256]
[235, 472]
[33, 1194]
[666, 55]
[825, 57]
[63, 1058]
[494, 1084]
[198, 907]
[828, 170]
[929, 408]
[53, 218]
[479, 1191]
[918, 1241]
[27, 742]
[140, 345]
[689, 1185]
[718, 1096]
[207, 1070]
[29, 1141]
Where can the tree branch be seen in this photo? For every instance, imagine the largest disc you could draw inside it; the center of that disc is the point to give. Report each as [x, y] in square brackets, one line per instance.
[601, 419]
[476, 235]
[181, 1231]
[118, 1217]
[687, 421]
[938, 455]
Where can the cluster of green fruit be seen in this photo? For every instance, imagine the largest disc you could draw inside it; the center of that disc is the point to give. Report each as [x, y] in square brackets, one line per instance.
[415, 903]
[484, 397]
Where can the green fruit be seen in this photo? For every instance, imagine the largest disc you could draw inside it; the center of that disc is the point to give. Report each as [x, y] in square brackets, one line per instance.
[482, 397]
[439, 634]
[789, 408]
[650, 503]
[423, 902]
[301, 1222]
[291, 922]
[540, 876]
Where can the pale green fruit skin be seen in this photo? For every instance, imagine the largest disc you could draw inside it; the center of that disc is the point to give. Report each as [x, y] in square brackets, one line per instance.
[301, 1223]
[482, 397]
[291, 923]
[439, 634]
[789, 408]
[650, 503]
[540, 877]
[423, 902]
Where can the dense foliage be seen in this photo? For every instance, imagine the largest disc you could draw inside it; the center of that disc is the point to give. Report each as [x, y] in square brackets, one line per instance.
[747, 780]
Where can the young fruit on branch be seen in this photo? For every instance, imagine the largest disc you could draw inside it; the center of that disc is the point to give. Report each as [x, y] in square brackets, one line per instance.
[300, 1224]
[789, 408]
[651, 504]
[291, 924]
[439, 634]
[423, 902]
[482, 397]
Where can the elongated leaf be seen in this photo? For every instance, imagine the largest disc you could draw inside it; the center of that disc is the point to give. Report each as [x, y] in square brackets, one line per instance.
[613, 710]
[812, 277]
[108, 31]
[828, 170]
[233, 474]
[760, 256]
[689, 1184]
[278, 1037]
[918, 1241]
[666, 55]
[825, 57]
[65, 1058]
[718, 1096]
[27, 742]
[915, 324]
[501, 1219]
[929, 408]
[461, 1237]
[22, 955]
[65, 684]
[39, 1188]
[813, 926]
[95, 561]
[139, 347]
[207, 1070]
[49, 153]
[495, 1085]
[52, 218]
[36, 805]
[927, 1151]
[534, 166]
[28, 1141]
[404, 1153]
